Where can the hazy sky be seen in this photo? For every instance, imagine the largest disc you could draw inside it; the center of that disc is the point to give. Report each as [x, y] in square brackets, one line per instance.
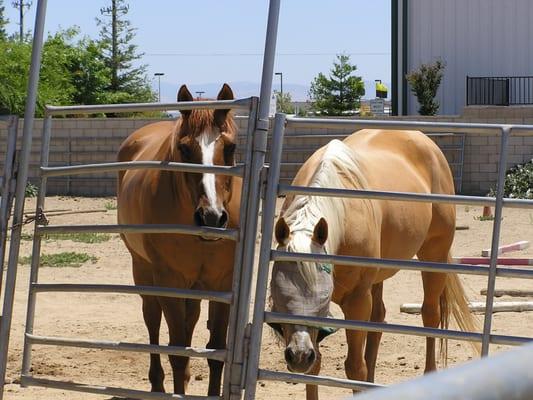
[205, 41]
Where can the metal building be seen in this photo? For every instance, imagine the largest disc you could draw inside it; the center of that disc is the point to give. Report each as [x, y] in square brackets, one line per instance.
[489, 40]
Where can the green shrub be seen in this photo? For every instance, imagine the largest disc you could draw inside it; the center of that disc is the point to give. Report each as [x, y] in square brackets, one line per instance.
[31, 190]
[425, 82]
[518, 182]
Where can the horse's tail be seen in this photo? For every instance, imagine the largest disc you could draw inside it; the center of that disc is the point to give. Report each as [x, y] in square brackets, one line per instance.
[453, 301]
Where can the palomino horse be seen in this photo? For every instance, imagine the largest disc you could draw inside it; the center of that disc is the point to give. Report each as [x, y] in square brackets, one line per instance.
[182, 261]
[406, 161]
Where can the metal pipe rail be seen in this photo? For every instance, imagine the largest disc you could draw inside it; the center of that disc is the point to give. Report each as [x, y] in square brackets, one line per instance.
[385, 195]
[242, 104]
[28, 380]
[221, 297]
[503, 376]
[218, 233]
[211, 354]
[318, 322]
[438, 127]
[410, 265]
[267, 375]
[237, 170]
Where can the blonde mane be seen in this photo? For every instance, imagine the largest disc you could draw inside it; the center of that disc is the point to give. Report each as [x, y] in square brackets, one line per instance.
[337, 169]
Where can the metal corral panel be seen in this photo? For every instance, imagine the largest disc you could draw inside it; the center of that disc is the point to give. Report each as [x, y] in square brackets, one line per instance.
[473, 37]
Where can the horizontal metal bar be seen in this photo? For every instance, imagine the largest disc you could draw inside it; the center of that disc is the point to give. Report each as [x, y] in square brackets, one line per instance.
[318, 322]
[231, 234]
[401, 196]
[26, 380]
[266, 375]
[281, 318]
[410, 265]
[128, 165]
[345, 135]
[394, 124]
[221, 297]
[140, 107]
[129, 347]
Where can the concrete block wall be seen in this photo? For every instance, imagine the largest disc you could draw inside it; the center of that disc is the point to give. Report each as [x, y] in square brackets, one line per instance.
[87, 140]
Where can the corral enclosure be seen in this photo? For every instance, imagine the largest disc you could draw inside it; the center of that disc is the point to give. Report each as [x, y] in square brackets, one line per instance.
[118, 317]
[95, 140]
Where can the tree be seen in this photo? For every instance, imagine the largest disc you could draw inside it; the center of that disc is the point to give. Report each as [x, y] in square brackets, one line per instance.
[284, 103]
[425, 82]
[3, 21]
[341, 92]
[127, 83]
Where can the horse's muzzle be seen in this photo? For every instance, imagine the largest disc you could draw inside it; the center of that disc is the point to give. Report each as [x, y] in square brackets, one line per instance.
[206, 216]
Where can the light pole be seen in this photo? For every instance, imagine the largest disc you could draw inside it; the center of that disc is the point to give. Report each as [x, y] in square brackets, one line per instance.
[281, 82]
[199, 93]
[159, 75]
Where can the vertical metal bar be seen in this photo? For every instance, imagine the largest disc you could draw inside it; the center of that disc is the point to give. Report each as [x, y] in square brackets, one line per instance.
[506, 132]
[238, 265]
[260, 137]
[264, 257]
[268, 59]
[7, 189]
[36, 250]
[22, 178]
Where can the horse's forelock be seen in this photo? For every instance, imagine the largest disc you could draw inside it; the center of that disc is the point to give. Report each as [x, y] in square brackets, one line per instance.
[200, 121]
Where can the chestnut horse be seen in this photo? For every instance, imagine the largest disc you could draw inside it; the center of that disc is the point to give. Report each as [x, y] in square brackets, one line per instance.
[405, 161]
[182, 261]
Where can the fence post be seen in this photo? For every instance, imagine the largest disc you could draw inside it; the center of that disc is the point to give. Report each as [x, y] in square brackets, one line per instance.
[22, 178]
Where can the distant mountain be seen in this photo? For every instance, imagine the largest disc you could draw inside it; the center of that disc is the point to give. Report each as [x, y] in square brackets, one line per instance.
[298, 92]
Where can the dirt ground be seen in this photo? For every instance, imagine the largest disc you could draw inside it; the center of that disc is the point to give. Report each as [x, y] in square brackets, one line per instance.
[118, 317]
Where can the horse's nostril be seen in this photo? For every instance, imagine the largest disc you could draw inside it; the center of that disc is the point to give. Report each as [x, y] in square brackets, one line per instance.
[223, 219]
[199, 217]
[311, 357]
[289, 355]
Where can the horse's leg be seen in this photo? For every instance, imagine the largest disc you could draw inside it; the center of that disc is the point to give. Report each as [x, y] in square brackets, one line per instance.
[311, 391]
[434, 284]
[218, 329]
[374, 338]
[357, 306]
[181, 316]
[152, 319]
[142, 275]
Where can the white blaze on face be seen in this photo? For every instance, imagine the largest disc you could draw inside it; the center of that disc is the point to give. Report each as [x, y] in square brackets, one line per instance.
[207, 141]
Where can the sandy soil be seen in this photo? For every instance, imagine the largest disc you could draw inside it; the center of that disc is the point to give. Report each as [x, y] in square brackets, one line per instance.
[118, 317]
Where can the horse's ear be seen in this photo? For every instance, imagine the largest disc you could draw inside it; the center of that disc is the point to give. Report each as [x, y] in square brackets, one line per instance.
[225, 94]
[320, 233]
[184, 95]
[282, 231]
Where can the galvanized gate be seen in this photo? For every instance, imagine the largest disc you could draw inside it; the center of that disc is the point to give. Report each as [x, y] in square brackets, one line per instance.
[244, 236]
[267, 255]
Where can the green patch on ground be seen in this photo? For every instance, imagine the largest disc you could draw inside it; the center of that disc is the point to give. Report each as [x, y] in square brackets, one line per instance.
[62, 260]
[81, 237]
[110, 205]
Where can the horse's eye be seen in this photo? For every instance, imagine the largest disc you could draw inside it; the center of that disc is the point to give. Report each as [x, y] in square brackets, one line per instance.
[229, 153]
[185, 151]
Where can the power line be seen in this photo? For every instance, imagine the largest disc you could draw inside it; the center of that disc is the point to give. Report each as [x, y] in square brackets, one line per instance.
[261, 54]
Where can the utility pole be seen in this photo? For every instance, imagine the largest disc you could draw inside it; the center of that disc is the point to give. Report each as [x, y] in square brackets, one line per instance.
[159, 75]
[281, 82]
[114, 12]
[21, 5]
[199, 93]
